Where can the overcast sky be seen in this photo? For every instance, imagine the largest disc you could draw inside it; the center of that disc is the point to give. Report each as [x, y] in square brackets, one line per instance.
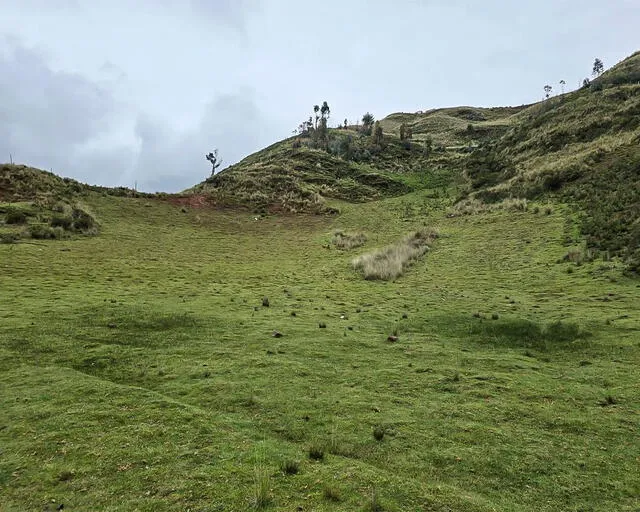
[115, 92]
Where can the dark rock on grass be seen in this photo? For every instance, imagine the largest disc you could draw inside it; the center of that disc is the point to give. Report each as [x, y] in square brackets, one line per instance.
[392, 338]
[277, 334]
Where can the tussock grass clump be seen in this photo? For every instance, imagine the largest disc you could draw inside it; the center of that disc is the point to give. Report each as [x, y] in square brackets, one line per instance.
[391, 262]
[290, 467]
[261, 497]
[347, 241]
[316, 452]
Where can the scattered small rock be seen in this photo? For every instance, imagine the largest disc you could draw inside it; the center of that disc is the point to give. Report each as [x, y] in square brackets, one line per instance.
[112, 326]
[322, 325]
[392, 338]
[277, 334]
[265, 302]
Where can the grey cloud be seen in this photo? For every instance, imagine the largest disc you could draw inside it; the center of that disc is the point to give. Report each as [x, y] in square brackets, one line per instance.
[45, 114]
[233, 12]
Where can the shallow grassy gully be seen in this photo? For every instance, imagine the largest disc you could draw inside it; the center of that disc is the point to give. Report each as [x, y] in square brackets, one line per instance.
[139, 371]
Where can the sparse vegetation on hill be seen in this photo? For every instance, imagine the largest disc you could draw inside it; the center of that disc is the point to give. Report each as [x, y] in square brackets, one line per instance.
[582, 148]
[300, 179]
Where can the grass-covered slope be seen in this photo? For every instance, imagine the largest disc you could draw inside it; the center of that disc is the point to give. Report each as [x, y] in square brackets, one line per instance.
[299, 179]
[452, 127]
[583, 147]
[37, 204]
[139, 369]
[294, 176]
[23, 183]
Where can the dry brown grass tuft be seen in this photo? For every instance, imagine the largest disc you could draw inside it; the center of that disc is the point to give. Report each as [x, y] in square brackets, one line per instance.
[391, 262]
[347, 241]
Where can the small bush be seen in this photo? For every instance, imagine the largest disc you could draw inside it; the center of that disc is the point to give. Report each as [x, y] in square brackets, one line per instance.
[14, 216]
[265, 302]
[9, 238]
[62, 221]
[44, 232]
[378, 433]
[391, 262]
[290, 467]
[346, 241]
[322, 325]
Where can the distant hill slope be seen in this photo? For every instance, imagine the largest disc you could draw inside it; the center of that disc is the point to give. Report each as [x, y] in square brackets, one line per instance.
[37, 204]
[458, 126]
[23, 183]
[292, 176]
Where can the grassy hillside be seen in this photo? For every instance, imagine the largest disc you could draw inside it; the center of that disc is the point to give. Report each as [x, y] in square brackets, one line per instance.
[582, 147]
[37, 204]
[295, 177]
[140, 369]
[452, 127]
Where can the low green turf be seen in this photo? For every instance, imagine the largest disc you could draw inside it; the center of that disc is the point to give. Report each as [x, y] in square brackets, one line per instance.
[138, 368]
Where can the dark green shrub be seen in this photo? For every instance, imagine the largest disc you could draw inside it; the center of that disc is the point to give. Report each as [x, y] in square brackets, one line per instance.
[9, 238]
[41, 232]
[378, 433]
[62, 221]
[15, 216]
[82, 220]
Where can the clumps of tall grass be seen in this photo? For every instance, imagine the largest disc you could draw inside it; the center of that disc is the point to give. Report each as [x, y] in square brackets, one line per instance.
[346, 241]
[391, 262]
[75, 218]
[261, 494]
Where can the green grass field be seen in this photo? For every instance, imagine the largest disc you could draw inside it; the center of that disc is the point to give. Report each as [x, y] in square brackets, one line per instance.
[139, 370]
